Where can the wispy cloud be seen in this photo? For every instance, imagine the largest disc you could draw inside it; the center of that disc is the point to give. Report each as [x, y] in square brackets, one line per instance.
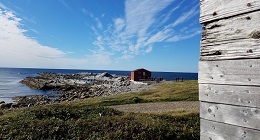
[96, 19]
[140, 15]
[167, 16]
[35, 31]
[16, 46]
[99, 24]
[143, 26]
[125, 57]
[179, 37]
[185, 16]
[86, 12]
[4, 7]
[137, 32]
[119, 24]
[20, 50]
[65, 4]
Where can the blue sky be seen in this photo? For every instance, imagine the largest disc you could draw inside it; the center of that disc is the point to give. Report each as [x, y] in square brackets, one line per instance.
[159, 35]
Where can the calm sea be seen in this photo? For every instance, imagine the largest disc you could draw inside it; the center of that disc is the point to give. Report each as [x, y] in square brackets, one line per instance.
[10, 78]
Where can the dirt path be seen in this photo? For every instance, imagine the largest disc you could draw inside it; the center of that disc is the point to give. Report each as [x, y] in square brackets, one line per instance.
[158, 106]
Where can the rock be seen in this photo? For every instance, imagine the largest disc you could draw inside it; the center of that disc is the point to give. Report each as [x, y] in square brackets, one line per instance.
[78, 86]
[6, 105]
[105, 74]
[2, 106]
[33, 100]
[15, 105]
[2, 102]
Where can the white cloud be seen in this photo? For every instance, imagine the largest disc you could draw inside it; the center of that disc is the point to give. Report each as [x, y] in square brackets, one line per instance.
[168, 15]
[144, 25]
[140, 15]
[185, 16]
[99, 24]
[4, 7]
[176, 38]
[96, 19]
[119, 24]
[35, 31]
[160, 36]
[126, 57]
[16, 46]
[65, 4]
[100, 58]
[19, 50]
[149, 49]
[86, 12]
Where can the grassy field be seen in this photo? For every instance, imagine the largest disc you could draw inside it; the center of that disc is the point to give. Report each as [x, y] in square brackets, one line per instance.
[81, 119]
[168, 91]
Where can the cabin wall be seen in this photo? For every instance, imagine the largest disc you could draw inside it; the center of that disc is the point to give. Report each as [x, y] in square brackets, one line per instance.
[141, 74]
[229, 70]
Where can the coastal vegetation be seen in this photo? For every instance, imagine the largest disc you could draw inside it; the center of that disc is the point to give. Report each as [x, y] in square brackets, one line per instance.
[92, 118]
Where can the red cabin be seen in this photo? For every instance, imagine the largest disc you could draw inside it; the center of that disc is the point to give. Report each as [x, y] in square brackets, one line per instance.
[141, 75]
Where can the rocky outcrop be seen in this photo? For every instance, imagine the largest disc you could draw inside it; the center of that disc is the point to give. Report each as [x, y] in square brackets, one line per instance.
[71, 87]
[77, 86]
[26, 101]
[33, 100]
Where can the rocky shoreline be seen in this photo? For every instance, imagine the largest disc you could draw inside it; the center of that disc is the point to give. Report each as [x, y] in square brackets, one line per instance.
[70, 87]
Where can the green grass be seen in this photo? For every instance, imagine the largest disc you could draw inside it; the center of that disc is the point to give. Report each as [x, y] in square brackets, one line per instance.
[169, 91]
[81, 120]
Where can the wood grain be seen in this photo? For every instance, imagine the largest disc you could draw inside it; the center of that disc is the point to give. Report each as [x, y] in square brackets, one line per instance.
[234, 28]
[211, 130]
[235, 115]
[218, 9]
[230, 72]
[227, 94]
[230, 50]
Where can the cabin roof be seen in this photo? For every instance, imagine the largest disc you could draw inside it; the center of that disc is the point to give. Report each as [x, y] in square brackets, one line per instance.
[141, 69]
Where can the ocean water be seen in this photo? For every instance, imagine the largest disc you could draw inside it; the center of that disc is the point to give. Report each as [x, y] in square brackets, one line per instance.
[10, 78]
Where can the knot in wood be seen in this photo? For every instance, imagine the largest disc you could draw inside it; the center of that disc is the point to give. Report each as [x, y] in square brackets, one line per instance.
[249, 51]
[255, 34]
[249, 4]
[214, 13]
[244, 134]
[217, 53]
[248, 18]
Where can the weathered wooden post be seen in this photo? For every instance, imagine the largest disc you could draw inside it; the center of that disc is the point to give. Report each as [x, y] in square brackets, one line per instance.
[229, 70]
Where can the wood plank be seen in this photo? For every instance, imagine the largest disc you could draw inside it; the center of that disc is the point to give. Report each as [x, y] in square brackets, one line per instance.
[235, 115]
[210, 130]
[232, 49]
[239, 27]
[219, 9]
[230, 72]
[228, 94]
